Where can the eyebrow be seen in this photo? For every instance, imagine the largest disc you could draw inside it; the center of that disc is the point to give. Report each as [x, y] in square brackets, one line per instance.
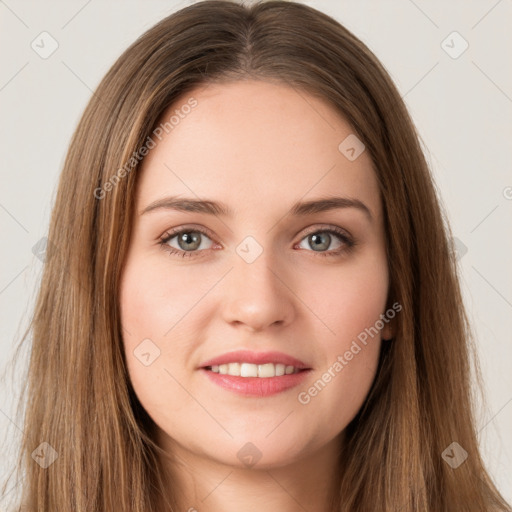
[218, 208]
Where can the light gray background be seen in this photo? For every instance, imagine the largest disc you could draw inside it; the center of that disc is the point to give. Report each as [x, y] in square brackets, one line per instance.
[462, 108]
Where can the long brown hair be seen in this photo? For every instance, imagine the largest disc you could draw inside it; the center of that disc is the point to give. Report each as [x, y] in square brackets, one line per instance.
[79, 397]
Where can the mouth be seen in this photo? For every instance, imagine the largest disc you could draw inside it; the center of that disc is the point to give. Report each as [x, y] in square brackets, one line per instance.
[255, 380]
[257, 374]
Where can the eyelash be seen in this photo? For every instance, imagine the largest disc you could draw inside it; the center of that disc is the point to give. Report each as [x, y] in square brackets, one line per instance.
[348, 242]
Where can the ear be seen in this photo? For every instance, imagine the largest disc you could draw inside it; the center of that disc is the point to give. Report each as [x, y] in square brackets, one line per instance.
[387, 331]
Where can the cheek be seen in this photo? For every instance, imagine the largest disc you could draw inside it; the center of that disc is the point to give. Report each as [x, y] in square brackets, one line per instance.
[349, 305]
[157, 307]
[145, 319]
[151, 300]
[349, 300]
[349, 355]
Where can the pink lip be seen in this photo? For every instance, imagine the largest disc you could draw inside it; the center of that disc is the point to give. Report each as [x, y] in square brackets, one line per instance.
[256, 386]
[246, 356]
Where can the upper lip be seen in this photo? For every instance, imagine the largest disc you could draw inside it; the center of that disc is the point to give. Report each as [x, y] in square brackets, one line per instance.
[246, 356]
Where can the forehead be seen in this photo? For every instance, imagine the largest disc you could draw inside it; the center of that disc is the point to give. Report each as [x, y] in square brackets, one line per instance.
[250, 141]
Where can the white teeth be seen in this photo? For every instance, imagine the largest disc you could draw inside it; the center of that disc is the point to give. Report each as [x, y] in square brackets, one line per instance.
[234, 369]
[248, 370]
[254, 370]
[266, 370]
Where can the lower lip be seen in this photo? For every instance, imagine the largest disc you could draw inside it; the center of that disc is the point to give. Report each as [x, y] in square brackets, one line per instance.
[257, 386]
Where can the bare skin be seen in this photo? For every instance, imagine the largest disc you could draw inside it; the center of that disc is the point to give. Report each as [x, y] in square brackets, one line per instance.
[259, 148]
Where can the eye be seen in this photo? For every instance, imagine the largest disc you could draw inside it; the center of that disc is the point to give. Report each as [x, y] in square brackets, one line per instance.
[321, 239]
[188, 241]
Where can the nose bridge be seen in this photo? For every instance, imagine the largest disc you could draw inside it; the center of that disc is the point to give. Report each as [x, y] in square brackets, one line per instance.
[256, 293]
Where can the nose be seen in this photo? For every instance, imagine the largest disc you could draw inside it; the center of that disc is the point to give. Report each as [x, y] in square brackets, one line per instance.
[259, 295]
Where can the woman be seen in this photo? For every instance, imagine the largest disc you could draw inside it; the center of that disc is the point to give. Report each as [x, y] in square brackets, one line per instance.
[252, 298]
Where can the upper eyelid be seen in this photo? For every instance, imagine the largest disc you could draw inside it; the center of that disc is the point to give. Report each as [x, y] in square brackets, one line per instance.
[171, 233]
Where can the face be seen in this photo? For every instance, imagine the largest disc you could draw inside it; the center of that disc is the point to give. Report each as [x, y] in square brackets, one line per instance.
[268, 277]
